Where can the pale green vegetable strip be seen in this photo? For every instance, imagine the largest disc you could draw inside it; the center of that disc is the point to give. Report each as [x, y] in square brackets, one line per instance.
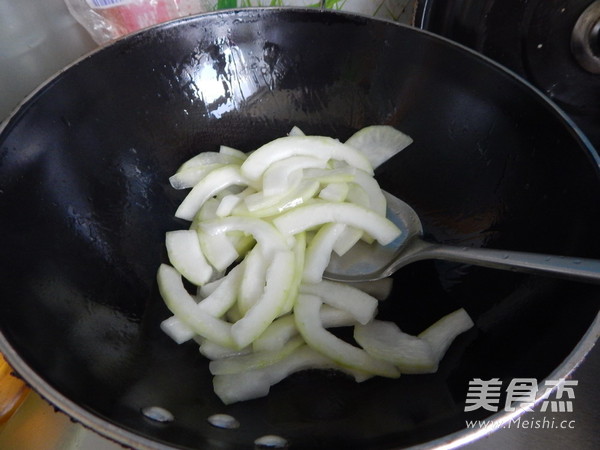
[215, 351]
[256, 383]
[225, 295]
[357, 195]
[276, 334]
[279, 277]
[318, 252]
[333, 317]
[385, 340]
[284, 328]
[269, 238]
[334, 192]
[234, 189]
[377, 202]
[227, 205]
[209, 186]
[190, 177]
[441, 334]
[295, 131]
[260, 206]
[317, 146]
[308, 321]
[239, 387]
[219, 250]
[185, 254]
[242, 242]
[182, 305]
[234, 314]
[233, 152]
[223, 249]
[379, 142]
[208, 158]
[177, 330]
[230, 204]
[206, 289]
[372, 197]
[282, 175]
[299, 250]
[207, 212]
[315, 214]
[349, 237]
[254, 360]
[332, 175]
[252, 285]
[346, 297]
[379, 289]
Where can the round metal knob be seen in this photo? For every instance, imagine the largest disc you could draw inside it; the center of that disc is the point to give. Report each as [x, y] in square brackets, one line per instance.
[585, 39]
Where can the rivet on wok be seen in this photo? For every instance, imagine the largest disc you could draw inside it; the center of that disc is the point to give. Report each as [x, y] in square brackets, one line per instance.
[270, 441]
[223, 421]
[158, 414]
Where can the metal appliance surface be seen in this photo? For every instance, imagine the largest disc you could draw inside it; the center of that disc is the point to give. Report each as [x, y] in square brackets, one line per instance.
[554, 44]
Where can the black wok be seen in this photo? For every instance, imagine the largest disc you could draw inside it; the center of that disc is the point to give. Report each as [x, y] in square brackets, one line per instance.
[85, 203]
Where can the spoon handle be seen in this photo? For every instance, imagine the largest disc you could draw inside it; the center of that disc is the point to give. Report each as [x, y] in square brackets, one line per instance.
[573, 268]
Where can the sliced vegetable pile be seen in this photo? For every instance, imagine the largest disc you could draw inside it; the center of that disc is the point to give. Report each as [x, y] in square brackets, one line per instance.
[263, 228]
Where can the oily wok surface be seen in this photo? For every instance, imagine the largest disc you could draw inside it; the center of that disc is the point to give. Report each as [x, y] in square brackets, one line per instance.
[85, 203]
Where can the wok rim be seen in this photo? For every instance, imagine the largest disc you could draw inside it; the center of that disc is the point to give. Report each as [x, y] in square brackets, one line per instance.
[102, 426]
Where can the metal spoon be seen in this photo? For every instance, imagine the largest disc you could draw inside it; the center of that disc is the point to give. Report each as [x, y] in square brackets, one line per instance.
[366, 262]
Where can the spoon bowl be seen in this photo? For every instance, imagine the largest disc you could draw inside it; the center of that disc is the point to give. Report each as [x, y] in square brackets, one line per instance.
[369, 262]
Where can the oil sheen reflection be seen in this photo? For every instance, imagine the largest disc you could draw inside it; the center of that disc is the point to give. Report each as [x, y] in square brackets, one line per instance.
[222, 76]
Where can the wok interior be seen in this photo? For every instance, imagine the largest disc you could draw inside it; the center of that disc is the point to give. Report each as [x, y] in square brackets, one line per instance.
[85, 203]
